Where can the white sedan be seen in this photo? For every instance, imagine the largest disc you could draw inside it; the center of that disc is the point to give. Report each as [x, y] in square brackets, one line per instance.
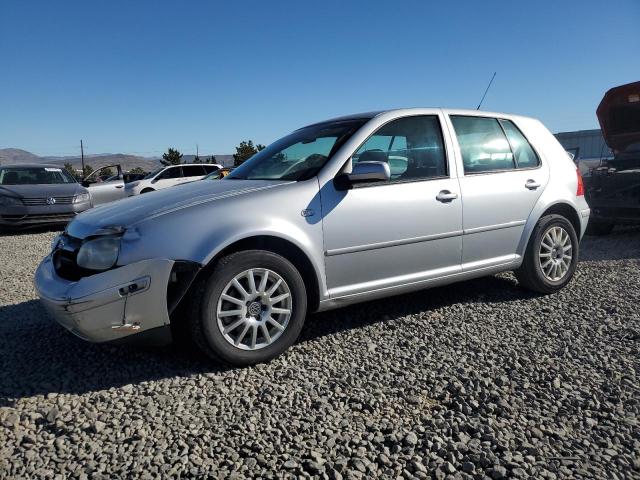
[169, 176]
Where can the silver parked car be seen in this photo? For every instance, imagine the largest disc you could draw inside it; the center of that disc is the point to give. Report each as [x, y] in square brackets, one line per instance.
[338, 212]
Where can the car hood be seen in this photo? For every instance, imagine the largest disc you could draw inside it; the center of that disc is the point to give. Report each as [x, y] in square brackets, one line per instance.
[45, 190]
[133, 210]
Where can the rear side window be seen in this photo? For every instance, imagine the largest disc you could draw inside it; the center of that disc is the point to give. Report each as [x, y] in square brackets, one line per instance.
[193, 171]
[483, 144]
[412, 146]
[525, 155]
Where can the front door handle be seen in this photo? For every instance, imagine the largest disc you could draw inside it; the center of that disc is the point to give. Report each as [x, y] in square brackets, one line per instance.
[119, 186]
[532, 184]
[446, 196]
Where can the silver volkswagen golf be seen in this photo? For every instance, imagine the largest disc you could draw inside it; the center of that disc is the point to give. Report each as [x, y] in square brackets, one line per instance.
[338, 212]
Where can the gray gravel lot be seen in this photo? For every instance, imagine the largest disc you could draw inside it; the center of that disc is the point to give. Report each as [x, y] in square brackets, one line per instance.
[475, 380]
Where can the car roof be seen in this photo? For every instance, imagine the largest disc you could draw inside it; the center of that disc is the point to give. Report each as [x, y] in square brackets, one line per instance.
[188, 164]
[31, 165]
[408, 111]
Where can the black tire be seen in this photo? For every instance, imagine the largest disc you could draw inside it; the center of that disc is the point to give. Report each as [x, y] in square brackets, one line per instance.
[202, 319]
[147, 190]
[599, 228]
[530, 274]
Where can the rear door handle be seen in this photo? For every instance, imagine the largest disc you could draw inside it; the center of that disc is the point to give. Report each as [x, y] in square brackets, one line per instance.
[532, 184]
[446, 196]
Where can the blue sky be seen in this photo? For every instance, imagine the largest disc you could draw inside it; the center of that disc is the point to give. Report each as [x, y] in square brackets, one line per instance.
[140, 76]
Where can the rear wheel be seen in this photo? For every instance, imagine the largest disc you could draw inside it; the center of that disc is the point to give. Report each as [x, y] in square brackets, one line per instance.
[551, 256]
[599, 228]
[250, 309]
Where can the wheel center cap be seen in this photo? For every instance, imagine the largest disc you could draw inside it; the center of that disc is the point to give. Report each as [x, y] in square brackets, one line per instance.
[254, 309]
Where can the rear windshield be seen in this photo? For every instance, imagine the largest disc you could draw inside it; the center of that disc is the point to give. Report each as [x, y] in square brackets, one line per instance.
[34, 176]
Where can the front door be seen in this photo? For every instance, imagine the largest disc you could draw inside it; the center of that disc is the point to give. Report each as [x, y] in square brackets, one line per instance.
[105, 184]
[402, 231]
[503, 179]
[168, 178]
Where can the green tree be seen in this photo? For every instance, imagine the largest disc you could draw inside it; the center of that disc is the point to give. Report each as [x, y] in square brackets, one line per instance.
[212, 159]
[88, 170]
[137, 170]
[172, 157]
[69, 168]
[245, 151]
[260, 147]
[196, 159]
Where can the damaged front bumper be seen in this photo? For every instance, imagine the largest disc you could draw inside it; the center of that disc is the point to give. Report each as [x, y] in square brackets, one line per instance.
[110, 306]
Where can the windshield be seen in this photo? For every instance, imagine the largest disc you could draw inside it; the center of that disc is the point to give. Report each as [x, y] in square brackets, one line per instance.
[34, 176]
[300, 155]
[153, 174]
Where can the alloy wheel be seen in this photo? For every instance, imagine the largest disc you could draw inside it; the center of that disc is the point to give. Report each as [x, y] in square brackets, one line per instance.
[254, 309]
[555, 253]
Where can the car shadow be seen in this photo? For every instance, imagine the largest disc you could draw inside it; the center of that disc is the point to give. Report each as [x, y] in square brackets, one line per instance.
[621, 244]
[39, 357]
[500, 288]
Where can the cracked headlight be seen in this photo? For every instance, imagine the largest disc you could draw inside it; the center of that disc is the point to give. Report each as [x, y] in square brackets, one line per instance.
[81, 198]
[99, 254]
[9, 201]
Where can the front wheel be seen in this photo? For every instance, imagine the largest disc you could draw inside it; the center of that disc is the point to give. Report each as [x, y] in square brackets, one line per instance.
[250, 309]
[551, 255]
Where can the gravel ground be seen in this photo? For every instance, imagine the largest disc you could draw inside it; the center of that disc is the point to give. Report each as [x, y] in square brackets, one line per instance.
[475, 380]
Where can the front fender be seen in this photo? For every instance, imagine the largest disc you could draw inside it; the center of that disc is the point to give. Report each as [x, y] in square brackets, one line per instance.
[199, 233]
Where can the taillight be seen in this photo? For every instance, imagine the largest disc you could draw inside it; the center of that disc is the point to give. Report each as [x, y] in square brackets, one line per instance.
[580, 191]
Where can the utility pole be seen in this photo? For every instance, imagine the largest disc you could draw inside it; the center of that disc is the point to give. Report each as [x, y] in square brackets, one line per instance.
[82, 157]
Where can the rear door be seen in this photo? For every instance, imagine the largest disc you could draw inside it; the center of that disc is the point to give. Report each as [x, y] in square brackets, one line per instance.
[109, 190]
[192, 172]
[501, 181]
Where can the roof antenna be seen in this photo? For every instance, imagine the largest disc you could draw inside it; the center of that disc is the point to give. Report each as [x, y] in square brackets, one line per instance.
[485, 92]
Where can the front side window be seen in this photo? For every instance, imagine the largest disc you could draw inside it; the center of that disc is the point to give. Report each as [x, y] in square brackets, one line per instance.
[34, 176]
[170, 173]
[483, 144]
[412, 146]
[525, 155]
[300, 155]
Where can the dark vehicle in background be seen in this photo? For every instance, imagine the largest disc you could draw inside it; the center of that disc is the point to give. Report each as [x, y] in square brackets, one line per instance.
[219, 174]
[33, 194]
[613, 187]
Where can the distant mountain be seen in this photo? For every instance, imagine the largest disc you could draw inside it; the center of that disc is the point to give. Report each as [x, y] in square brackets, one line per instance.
[18, 156]
[15, 155]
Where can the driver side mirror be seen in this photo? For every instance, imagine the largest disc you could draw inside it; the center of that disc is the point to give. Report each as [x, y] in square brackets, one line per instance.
[86, 183]
[365, 172]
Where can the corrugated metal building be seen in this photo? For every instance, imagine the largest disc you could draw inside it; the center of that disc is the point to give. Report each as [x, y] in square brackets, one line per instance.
[590, 142]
